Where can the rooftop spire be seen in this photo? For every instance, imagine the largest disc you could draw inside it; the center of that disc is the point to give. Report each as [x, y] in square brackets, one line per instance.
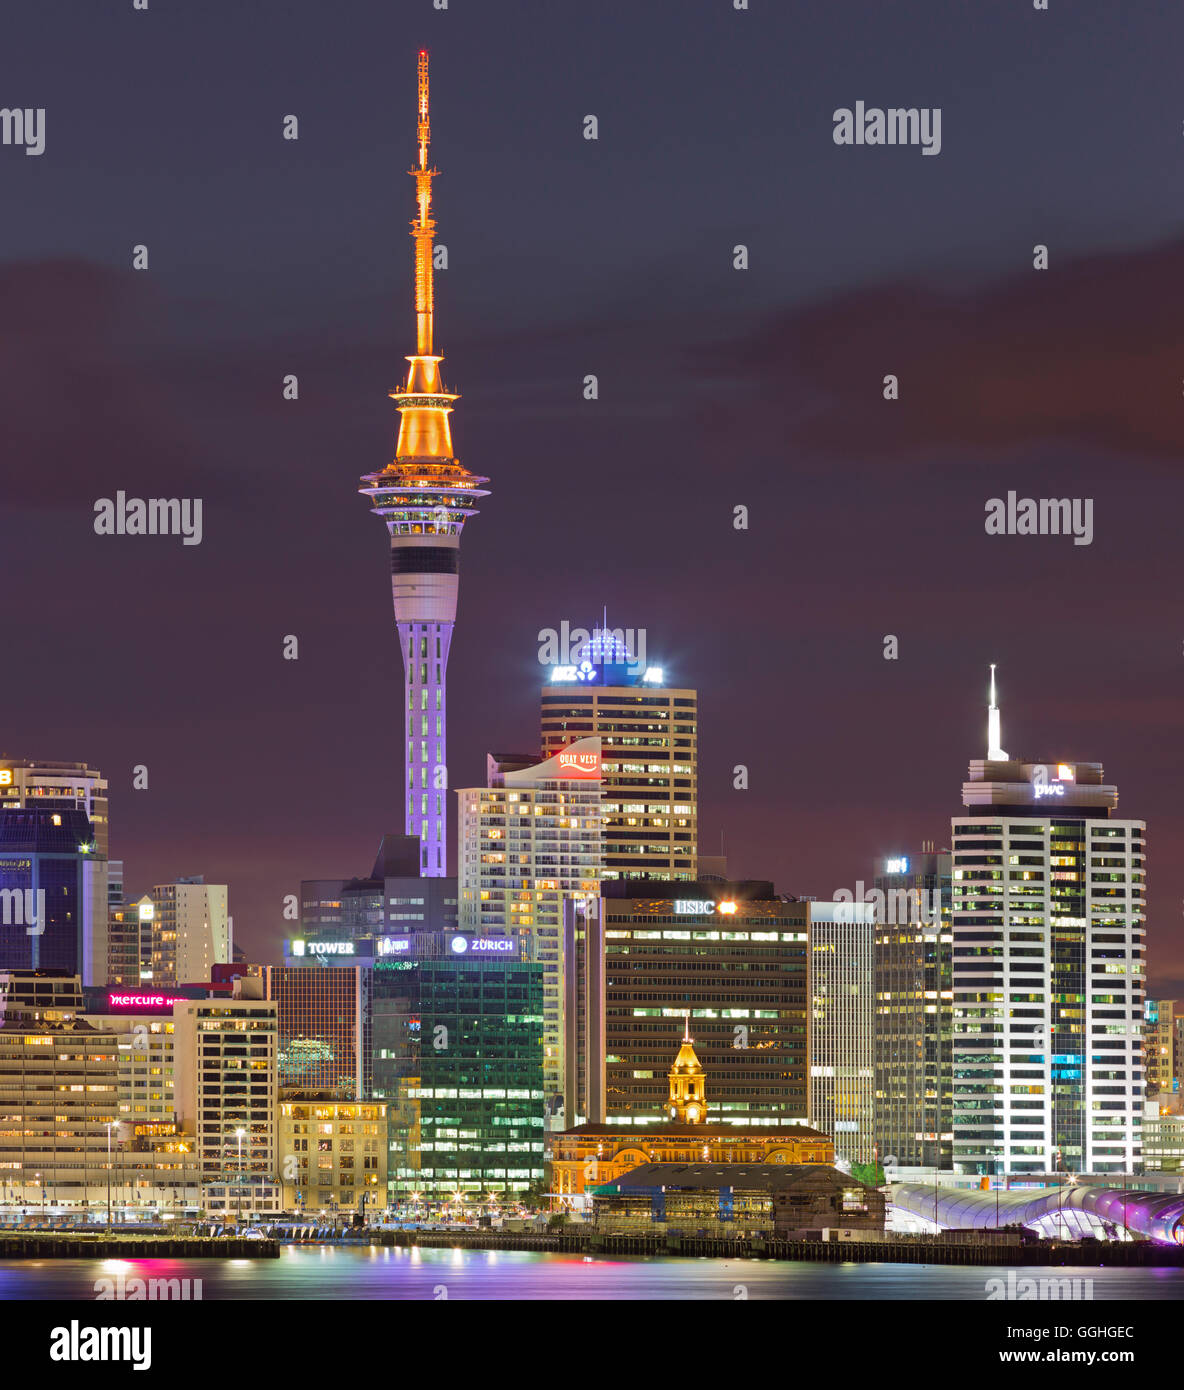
[424, 405]
[423, 228]
[995, 753]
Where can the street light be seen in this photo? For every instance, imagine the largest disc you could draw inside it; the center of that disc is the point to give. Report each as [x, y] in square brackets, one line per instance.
[240, 1133]
[110, 1125]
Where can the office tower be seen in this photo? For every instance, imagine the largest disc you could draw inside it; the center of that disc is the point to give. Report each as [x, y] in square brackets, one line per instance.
[1160, 1063]
[335, 1154]
[1048, 916]
[394, 897]
[914, 1010]
[190, 930]
[732, 956]
[226, 1086]
[60, 1082]
[53, 891]
[530, 841]
[425, 497]
[322, 1017]
[31, 782]
[648, 734]
[457, 1041]
[842, 1056]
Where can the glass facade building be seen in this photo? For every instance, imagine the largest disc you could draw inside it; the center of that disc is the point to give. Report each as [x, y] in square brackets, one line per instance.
[457, 1048]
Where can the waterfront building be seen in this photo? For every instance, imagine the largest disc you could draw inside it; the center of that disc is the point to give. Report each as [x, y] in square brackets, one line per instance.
[590, 1155]
[333, 1154]
[1049, 913]
[457, 1047]
[226, 1087]
[782, 1200]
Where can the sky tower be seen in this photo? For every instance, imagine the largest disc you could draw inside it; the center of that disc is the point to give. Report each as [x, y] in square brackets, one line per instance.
[424, 496]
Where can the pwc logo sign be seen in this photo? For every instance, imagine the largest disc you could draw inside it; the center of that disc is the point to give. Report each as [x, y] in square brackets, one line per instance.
[580, 765]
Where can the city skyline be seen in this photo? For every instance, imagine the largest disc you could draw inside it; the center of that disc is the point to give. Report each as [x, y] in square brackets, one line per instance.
[776, 369]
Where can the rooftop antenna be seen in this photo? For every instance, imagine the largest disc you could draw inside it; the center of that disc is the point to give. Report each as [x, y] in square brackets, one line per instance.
[995, 753]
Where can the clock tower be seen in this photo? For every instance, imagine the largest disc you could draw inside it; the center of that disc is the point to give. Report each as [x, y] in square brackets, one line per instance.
[687, 1103]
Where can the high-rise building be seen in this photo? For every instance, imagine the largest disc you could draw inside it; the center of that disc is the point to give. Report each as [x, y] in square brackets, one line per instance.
[32, 782]
[322, 1017]
[914, 1010]
[529, 842]
[59, 1083]
[190, 929]
[1048, 917]
[730, 956]
[457, 1040]
[226, 1086]
[1160, 1061]
[842, 1056]
[53, 891]
[425, 496]
[394, 897]
[648, 733]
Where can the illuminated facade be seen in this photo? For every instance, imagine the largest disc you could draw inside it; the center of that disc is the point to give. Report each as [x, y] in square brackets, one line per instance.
[334, 1155]
[914, 1010]
[425, 497]
[53, 891]
[529, 843]
[645, 954]
[1160, 1042]
[457, 1040]
[590, 1155]
[189, 931]
[842, 1059]
[226, 1086]
[322, 1016]
[649, 738]
[1049, 914]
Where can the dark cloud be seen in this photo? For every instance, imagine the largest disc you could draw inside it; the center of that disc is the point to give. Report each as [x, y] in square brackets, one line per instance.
[1087, 352]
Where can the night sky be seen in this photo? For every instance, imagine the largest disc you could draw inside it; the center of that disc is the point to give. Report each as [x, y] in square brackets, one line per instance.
[718, 388]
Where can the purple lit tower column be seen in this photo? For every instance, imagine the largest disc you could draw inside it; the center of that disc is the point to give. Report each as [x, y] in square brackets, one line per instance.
[425, 497]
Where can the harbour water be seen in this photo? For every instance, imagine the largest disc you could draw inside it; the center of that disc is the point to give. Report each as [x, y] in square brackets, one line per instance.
[373, 1272]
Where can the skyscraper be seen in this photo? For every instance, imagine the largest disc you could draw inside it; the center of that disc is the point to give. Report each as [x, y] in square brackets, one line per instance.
[842, 1079]
[424, 496]
[914, 1009]
[1048, 971]
[530, 841]
[649, 736]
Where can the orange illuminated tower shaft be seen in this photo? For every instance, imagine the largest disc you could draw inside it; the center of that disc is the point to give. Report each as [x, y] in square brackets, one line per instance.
[425, 496]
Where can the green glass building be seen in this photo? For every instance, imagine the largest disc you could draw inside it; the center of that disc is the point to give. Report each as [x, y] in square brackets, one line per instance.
[456, 1035]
